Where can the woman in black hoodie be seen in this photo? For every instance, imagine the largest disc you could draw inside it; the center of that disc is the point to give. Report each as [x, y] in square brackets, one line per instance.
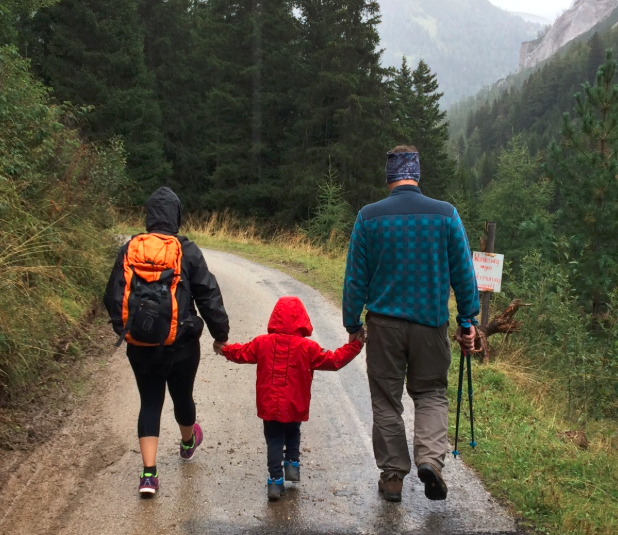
[176, 364]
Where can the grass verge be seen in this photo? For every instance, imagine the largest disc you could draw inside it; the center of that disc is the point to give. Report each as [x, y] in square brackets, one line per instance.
[55, 218]
[527, 459]
[524, 456]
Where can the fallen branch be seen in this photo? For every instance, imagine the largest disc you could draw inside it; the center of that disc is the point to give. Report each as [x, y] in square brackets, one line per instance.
[503, 323]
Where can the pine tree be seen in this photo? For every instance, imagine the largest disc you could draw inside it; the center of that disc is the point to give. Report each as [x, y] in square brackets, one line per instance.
[13, 13]
[227, 104]
[252, 47]
[474, 149]
[405, 105]
[519, 198]
[174, 55]
[275, 85]
[420, 122]
[584, 168]
[461, 148]
[596, 57]
[342, 101]
[91, 52]
[430, 132]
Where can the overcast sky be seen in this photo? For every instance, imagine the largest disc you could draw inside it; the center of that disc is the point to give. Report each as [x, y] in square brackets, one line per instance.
[545, 8]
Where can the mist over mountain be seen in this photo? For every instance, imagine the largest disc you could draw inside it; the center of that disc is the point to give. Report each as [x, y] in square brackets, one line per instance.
[530, 17]
[468, 43]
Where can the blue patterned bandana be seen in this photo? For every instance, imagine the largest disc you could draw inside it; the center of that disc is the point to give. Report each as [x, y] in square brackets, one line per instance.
[403, 166]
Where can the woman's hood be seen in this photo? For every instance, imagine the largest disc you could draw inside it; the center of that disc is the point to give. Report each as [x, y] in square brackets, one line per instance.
[163, 212]
[290, 317]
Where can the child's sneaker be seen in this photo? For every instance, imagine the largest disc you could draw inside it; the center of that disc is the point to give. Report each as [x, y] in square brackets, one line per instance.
[292, 470]
[149, 483]
[187, 452]
[275, 489]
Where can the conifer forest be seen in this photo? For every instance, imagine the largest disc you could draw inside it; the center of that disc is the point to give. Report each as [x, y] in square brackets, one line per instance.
[282, 111]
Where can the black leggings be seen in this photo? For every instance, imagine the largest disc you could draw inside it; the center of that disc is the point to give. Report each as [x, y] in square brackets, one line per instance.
[151, 380]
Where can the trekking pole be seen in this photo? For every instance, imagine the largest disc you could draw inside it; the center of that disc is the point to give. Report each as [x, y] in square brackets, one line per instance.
[466, 331]
[470, 397]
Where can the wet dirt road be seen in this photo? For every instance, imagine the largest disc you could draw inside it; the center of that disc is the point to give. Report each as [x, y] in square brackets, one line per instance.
[84, 482]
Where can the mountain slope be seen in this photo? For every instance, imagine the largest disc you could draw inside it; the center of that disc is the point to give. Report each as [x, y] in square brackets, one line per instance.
[468, 43]
[581, 17]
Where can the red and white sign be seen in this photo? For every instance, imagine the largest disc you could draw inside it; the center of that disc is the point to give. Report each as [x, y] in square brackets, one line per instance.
[488, 268]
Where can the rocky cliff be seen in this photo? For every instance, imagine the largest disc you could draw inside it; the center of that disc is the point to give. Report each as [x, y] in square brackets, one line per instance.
[581, 17]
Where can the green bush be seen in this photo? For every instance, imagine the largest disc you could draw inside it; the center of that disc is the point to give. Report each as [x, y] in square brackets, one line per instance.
[567, 345]
[55, 225]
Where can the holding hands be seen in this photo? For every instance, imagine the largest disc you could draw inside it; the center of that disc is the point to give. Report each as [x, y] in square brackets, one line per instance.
[218, 347]
[360, 335]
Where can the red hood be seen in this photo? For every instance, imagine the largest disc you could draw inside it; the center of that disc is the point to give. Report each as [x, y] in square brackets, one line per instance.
[290, 317]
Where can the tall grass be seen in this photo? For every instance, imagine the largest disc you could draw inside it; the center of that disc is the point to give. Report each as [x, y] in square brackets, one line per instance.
[225, 226]
[55, 227]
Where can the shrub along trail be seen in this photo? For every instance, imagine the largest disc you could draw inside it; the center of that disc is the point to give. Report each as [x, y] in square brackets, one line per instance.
[85, 480]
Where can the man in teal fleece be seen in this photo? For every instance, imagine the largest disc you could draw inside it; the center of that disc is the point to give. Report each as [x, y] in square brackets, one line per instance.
[406, 252]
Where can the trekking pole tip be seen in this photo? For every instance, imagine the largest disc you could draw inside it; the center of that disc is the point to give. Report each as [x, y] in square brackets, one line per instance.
[455, 453]
[473, 444]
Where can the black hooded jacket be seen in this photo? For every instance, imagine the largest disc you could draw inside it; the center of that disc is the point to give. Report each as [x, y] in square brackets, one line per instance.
[197, 287]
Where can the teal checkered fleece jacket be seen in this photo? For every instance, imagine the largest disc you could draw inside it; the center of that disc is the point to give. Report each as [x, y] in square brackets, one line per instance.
[405, 254]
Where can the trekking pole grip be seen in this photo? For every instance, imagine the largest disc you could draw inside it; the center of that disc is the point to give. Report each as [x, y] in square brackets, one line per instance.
[466, 329]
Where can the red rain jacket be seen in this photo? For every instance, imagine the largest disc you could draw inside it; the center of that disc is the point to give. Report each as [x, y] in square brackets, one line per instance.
[285, 361]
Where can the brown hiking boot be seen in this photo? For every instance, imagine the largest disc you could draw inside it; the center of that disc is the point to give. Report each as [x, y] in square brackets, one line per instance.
[390, 487]
[435, 486]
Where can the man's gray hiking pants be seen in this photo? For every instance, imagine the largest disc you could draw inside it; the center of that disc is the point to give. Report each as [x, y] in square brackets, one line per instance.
[398, 353]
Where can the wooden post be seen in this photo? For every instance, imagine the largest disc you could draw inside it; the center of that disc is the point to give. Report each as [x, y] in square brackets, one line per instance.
[490, 232]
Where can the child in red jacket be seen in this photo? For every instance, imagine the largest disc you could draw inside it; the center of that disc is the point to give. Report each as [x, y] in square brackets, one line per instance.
[285, 360]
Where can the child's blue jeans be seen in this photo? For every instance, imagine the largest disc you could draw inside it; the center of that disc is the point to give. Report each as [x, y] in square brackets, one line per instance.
[279, 436]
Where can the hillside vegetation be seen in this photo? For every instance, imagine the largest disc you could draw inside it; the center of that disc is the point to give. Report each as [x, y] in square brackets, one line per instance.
[542, 164]
[55, 226]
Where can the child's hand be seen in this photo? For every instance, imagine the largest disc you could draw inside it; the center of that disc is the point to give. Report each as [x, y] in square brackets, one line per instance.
[218, 347]
[361, 336]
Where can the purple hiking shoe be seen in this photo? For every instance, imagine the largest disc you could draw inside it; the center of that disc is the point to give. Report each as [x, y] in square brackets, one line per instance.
[187, 452]
[148, 483]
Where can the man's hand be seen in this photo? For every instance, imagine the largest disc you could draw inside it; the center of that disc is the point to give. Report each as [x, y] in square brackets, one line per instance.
[360, 335]
[466, 341]
[218, 347]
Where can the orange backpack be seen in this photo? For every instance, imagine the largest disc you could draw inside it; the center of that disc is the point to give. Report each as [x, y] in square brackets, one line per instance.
[152, 270]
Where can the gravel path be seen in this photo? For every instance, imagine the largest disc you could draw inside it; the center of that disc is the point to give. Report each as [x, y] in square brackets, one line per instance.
[84, 481]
